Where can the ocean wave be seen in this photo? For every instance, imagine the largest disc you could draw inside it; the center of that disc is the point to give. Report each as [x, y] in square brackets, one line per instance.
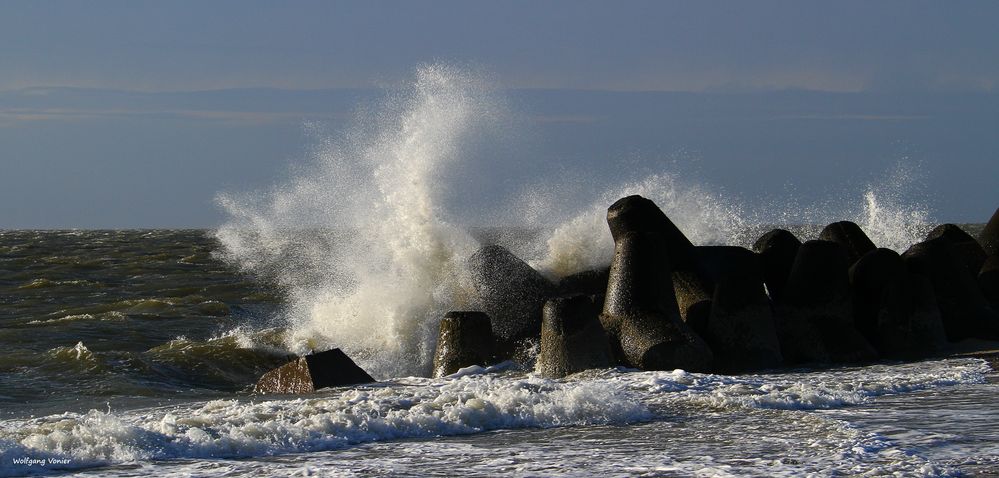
[112, 315]
[232, 428]
[191, 304]
[233, 360]
[77, 352]
[46, 283]
[74, 359]
[468, 404]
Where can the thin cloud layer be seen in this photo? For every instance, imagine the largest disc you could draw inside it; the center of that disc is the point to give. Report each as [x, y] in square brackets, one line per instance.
[570, 44]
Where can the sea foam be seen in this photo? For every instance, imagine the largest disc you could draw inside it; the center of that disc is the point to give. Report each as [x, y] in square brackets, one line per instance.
[471, 404]
[233, 428]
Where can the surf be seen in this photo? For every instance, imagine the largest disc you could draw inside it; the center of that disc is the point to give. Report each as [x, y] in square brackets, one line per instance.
[366, 240]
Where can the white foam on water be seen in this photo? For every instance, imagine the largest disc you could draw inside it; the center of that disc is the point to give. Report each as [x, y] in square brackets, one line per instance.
[480, 370]
[232, 428]
[780, 411]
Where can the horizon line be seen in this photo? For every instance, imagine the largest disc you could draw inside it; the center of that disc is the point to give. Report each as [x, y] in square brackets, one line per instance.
[374, 89]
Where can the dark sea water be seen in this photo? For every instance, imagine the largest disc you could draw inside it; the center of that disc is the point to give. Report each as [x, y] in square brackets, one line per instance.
[133, 353]
[92, 319]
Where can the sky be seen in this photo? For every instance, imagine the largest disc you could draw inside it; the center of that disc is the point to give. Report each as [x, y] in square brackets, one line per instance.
[581, 44]
[138, 113]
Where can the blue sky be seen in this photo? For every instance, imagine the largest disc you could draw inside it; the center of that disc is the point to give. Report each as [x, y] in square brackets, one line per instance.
[135, 114]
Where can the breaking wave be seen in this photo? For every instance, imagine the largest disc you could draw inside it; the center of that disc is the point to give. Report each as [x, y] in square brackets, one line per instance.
[367, 240]
[468, 404]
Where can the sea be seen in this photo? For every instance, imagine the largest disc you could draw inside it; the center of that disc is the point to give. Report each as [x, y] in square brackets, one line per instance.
[134, 352]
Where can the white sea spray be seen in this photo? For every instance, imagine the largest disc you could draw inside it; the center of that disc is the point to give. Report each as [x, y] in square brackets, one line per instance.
[366, 251]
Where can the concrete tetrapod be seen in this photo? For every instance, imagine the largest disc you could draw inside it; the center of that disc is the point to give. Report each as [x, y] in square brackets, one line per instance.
[909, 322]
[572, 339]
[966, 247]
[465, 339]
[818, 300]
[721, 297]
[988, 279]
[965, 311]
[640, 310]
[312, 372]
[894, 309]
[989, 237]
[741, 329]
[511, 293]
[777, 250]
[638, 214]
[588, 282]
[849, 235]
[868, 278]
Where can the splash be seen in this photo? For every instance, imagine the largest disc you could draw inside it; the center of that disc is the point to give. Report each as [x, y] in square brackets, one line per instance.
[360, 241]
[887, 210]
[890, 209]
[890, 218]
[367, 241]
[584, 242]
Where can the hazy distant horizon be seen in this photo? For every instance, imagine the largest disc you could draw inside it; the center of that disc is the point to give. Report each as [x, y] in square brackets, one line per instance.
[163, 105]
[127, 159]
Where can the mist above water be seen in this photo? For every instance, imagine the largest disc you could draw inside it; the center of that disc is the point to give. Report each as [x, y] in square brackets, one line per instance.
[367, 238]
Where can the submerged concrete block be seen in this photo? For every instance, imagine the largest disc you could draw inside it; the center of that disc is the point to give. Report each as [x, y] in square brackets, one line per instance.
[510, 292]
[965, 247]
[989, 237]
[741, 329]
[572, 338]
[312, 372]
[817, 302]
[965, 311]
[640, 311]
[849, 235]
[988, 279]
[777, 250]
[638, 214]
[465, 339]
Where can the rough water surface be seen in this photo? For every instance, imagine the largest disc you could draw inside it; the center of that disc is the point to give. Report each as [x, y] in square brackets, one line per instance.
[134, 353]
[127, 353]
